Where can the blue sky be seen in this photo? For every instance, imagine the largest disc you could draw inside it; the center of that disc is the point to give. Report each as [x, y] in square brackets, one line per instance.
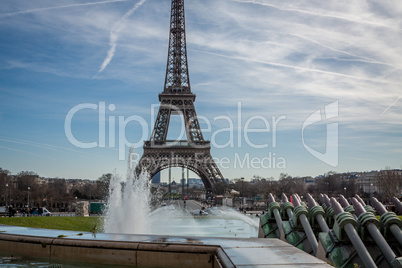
[252, 61]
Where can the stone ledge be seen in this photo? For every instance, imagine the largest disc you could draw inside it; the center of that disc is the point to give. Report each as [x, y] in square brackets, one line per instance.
[115, 252]
[152, 250]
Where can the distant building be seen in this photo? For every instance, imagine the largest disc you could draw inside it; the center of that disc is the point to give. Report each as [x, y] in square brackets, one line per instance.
[367, 182]
[309, 181]
[156, 179]
[195, 183]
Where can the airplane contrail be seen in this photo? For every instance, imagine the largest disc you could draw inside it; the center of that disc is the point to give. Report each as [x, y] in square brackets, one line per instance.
[41, 145]
[351, 19]
[114, 35]
[358, 58]
[389, 107]
[16, 150]
[294, 67]
[57, 7]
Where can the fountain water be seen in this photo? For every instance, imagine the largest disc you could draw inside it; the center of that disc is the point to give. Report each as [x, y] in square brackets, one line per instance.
[128, 211]
[128, 206]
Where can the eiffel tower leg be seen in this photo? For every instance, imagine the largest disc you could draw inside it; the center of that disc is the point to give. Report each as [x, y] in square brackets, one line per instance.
[161, 125]
[192, 125]
[210, 168]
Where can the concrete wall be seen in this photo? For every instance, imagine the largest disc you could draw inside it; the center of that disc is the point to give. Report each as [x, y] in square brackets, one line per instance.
[115, 252]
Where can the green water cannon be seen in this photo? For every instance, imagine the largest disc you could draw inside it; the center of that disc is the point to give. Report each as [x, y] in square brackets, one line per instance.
[323, 204]
[316, 214]
[366, 207]
[301, 202]
[390, 223]
[398, 204]
[345, 224]
[293, 230]
[329, 212]
[346, 206]
[274, 208]
[271, 222]
[300, 214]
[369, 224]
[286, 208]
[340, 245]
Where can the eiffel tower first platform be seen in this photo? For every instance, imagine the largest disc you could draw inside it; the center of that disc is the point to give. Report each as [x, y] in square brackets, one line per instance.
[177, 99]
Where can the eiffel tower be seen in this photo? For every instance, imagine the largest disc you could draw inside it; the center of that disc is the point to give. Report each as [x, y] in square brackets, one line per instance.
[177, 99]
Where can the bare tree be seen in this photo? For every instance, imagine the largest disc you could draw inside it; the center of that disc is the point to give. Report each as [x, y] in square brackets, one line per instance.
[57, 192]
[289, 185]
[389, 184]
[221, 188]
[330, 184]
[4, 180]
[23, 180]
[102, 186]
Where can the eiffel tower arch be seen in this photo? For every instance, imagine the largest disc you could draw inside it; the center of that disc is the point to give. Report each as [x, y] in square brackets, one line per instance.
[194, 153]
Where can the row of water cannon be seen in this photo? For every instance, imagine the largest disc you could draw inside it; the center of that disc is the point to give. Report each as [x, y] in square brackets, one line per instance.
[341, 233]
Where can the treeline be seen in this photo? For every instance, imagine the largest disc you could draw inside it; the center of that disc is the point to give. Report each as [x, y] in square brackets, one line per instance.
[385, 185]
[57, 192]
[50, 192]
[332, 183]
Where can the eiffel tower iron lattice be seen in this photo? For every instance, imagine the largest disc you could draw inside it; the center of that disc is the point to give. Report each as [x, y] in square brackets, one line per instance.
[177, 99]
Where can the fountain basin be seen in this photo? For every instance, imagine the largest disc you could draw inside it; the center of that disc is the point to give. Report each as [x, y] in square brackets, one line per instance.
[151, 250]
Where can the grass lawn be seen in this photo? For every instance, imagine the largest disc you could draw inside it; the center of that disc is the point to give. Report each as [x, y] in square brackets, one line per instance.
[400, 217]
[82, 224]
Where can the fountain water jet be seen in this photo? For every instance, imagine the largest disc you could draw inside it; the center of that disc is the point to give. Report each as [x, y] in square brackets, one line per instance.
[128, 206]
